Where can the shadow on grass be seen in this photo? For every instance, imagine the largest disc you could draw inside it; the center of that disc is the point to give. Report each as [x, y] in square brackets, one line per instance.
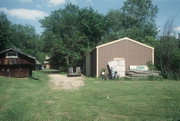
[34, 78]
[53, 71]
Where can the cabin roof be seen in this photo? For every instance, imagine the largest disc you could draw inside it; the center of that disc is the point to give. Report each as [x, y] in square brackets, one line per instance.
[18, 51]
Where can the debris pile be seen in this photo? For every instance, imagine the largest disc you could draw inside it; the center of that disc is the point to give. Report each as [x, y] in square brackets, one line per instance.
[140, 73]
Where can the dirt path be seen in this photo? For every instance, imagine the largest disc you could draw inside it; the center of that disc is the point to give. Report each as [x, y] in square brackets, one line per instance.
[58, 81]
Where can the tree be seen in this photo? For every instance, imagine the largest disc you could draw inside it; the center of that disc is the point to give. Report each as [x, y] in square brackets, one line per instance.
[75, 30]
[4, 31]
[92, 25]
[114, 24]
[135, 20]
[168, 52]
[19, 36]
[140, 15]
[26, 39]
[62, 27]
[23, 36]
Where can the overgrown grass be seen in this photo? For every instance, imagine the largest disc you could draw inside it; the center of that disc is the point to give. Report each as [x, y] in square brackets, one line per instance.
[98, 100]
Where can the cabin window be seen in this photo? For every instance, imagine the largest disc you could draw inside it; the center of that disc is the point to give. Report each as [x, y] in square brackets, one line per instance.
[11, 55]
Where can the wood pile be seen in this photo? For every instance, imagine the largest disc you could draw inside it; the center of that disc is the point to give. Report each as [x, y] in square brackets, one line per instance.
[137, 73]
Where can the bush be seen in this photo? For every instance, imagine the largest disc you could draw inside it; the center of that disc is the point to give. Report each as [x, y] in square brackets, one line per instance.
[150, 66]
[173, 75]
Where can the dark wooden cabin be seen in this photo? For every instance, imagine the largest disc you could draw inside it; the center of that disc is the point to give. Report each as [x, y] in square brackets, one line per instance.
[14, 63]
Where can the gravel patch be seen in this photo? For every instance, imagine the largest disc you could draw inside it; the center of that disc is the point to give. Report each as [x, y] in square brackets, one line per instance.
[58, 81]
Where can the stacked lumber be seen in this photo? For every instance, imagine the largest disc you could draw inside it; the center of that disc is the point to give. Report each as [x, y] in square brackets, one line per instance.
[137, 73]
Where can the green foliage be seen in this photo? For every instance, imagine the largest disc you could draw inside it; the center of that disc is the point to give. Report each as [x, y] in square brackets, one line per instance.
[70, 32]
[141, 10]
[22, 37]
[172, 75]
[151, 66]
[92, 25]
[168, 57]
[5, 29]
[26, 39]
[67, 41]
[135, 20]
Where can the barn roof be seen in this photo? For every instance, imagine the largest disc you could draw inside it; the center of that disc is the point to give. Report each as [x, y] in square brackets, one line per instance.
[126, 38]
[17, 50]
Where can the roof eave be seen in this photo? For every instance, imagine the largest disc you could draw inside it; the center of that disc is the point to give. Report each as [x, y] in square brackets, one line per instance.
[18, 52]
[125, 38]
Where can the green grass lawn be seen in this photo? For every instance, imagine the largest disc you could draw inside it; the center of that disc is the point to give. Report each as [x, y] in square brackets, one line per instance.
[33, 100]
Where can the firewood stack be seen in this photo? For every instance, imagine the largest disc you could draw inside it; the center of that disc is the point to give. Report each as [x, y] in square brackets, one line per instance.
[140, 73]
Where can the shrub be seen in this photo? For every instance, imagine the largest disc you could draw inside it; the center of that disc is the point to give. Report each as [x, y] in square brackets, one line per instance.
[151, 66]
[173, 75]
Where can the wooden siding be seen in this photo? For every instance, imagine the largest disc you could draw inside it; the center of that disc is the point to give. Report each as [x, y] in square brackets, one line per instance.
[18, 71]
[12, 61]
[134, 54]
[20, 66]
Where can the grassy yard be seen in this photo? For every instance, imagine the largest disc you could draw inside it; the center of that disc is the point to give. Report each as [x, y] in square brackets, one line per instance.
[33, 100]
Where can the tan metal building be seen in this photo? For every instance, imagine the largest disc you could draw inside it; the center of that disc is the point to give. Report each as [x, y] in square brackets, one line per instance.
[134, 53]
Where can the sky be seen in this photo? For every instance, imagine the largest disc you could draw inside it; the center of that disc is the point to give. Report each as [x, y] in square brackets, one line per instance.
[31, 11]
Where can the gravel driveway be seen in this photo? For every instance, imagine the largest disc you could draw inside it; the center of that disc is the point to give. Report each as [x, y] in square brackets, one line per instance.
[58, 81]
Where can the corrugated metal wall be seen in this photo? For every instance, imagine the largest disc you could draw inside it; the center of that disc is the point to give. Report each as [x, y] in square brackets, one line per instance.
[93, 64]
[88, 65]
[134, 54]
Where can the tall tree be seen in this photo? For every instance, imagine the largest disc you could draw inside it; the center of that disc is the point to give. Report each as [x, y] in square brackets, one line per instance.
[63, 27]
[136, 19]
[75, 29]
[140, 18]
[4, 31]
[92, 25]
[19, 36]
[23, 36]
[26, 39]
[168, 52]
